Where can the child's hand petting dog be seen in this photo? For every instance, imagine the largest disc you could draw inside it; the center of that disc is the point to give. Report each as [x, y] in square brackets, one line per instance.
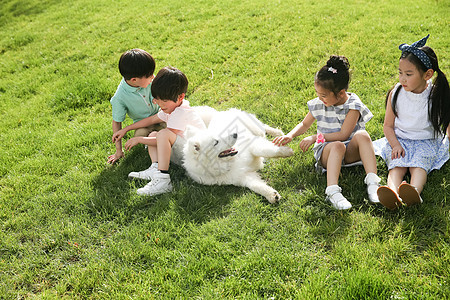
[282, 140]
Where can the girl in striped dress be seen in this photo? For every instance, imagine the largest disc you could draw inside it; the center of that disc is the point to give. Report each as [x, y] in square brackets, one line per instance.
[341, 138]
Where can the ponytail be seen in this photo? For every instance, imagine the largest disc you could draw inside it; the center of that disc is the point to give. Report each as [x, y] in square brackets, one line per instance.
[393, 99]
[439, 99]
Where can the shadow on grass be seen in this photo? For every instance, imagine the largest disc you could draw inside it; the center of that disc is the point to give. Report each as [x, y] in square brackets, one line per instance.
[112, 187]
[426, 224]
[115, 194]
[23, 8]
[189, 201]
[423, 226]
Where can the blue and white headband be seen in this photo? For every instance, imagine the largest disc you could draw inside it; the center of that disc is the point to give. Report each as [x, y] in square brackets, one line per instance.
[414, 49]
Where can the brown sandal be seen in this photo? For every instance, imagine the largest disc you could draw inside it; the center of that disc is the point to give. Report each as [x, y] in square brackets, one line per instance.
[409, 194]
[388, 198]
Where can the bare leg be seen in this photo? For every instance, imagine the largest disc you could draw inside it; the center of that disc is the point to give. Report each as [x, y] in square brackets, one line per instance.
[152, 149]
[418, 178]
[360, 148]
[148, 173]
[395, 177]
[165, 139]
[331, 159]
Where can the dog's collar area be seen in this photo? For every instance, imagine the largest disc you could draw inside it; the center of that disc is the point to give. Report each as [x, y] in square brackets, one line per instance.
[228, 152]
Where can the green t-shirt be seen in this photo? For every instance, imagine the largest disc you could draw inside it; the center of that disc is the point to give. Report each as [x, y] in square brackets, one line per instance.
[135, 101]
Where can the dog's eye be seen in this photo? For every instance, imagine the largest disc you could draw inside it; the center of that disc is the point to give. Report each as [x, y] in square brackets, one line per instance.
[216, 142]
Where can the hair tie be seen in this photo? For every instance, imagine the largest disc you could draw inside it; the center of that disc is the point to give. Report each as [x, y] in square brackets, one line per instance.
[320, 138]
[332, 70]
[414, 49]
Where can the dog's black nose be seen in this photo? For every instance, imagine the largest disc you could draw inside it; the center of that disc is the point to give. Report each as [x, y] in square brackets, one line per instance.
[234, 135]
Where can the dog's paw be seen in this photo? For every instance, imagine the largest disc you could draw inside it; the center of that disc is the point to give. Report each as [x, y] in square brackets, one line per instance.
[277, 132]
[273, 131]
[274, 198]
[285, 151]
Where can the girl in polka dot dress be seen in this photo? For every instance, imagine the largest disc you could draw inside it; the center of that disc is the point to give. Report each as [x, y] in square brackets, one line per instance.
[416, 120]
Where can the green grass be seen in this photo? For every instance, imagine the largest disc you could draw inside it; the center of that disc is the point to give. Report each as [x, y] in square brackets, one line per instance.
[73, 227]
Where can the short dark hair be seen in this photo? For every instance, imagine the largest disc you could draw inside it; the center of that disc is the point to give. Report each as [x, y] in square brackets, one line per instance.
[136, 63]
[169, 83]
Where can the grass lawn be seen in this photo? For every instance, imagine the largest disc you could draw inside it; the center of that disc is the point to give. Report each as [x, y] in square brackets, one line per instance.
[73, 227]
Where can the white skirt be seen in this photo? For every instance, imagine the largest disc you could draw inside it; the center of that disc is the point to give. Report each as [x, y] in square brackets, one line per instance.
[426, 154]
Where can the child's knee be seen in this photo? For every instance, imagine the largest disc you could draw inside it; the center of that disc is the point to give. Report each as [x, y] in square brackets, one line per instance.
[398, 171]
[417, 171]
[336, 148]
[166, 134]
[162, 132]
[153, 134]
[362, 136]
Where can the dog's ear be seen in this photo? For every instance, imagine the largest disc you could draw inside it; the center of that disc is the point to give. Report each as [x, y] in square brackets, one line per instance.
[190, 131]
[192, 146]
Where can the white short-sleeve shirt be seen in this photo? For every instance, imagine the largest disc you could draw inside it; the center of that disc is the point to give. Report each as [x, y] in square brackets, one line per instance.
[412, 121]
[181, 117]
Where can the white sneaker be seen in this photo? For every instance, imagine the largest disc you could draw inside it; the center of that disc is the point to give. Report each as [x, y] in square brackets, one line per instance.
[373, 183]
[146, 174]
[160, 184]
[335, 197]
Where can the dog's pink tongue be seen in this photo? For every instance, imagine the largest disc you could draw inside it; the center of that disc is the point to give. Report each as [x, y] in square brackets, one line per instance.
[229, 152]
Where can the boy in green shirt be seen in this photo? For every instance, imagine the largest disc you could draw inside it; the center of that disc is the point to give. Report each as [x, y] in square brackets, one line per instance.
[133, 95]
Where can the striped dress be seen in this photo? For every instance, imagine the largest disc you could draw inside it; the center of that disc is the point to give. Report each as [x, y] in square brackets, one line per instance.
[330, 119]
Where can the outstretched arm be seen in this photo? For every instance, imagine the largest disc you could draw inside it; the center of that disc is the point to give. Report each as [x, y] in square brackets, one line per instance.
[298, 130]
[146, 140]
[117, 136]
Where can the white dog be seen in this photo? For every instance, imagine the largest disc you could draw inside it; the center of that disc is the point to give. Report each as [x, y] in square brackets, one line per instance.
[231, 150]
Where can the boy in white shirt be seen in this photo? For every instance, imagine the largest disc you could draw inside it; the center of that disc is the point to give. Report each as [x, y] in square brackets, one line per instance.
[168, 89]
